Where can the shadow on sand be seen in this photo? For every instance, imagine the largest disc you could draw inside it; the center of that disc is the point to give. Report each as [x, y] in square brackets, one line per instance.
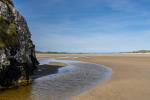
[43, 70]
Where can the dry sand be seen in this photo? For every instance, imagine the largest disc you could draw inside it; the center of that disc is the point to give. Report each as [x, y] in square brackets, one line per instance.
[130, 79]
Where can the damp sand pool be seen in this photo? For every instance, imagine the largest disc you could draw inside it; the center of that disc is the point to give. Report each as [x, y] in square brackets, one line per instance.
[69, 81]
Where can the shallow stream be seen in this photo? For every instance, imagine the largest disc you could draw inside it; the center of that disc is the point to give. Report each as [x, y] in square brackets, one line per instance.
[69, 81]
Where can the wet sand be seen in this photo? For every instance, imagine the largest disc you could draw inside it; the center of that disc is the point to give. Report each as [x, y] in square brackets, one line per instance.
[71, 80]
[79, 77]
[130, 79]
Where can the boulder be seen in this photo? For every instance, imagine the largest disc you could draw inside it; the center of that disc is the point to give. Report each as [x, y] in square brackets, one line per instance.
[17, 51]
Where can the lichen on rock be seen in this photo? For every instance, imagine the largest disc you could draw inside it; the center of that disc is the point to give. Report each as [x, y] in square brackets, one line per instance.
[17, 52]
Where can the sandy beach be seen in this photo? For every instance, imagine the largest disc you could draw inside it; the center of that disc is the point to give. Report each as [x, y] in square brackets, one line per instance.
[130, 79]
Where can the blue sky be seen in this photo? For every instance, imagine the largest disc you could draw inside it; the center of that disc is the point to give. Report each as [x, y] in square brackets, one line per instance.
[88, 25]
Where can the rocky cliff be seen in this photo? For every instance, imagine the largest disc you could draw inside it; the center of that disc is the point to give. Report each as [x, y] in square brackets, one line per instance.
[17, 52]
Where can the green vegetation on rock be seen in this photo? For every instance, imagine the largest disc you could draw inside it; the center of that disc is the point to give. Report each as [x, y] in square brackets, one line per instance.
[11, 29]
[8, 34]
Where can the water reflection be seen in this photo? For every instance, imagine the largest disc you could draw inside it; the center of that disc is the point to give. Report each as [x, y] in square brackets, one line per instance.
[22, 93]
[62, 84]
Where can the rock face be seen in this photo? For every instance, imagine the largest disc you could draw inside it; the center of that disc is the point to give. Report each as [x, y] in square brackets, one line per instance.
[17, 52]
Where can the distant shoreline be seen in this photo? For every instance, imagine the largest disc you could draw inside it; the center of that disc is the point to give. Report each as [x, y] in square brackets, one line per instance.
[130, 52]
